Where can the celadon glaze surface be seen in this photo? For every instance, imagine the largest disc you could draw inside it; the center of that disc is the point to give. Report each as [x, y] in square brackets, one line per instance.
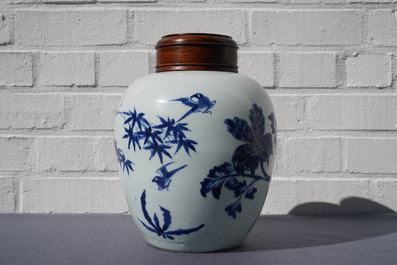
[195, 152]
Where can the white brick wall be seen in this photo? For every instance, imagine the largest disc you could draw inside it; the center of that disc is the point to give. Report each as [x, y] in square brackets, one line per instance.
[32, 111]
[135, 65]
[299, 70]
[91, 111]
[368, 70]
[16, 69]
[72, 195]
[67, 69]
[7, 195]
[5, 36]
[379, 155]
[382, 30]
[353, 112]
[329, 66]
[16, 153]
[73, 28]
[151, 25]
[308, 155]
[65, 154]
[307, 27]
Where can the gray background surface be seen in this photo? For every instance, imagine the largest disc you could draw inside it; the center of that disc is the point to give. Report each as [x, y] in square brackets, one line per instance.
[277, 239]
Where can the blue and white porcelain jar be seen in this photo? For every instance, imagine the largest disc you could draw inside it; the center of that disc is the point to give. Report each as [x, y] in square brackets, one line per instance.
[195, 143]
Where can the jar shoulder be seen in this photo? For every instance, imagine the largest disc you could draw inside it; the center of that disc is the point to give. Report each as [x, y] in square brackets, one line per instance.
[164, 82]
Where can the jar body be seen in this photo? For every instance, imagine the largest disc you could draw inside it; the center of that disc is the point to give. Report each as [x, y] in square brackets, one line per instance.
[195, 152]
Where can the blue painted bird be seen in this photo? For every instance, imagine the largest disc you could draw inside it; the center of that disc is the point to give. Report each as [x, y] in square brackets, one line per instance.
[163, 181]
[198, 102]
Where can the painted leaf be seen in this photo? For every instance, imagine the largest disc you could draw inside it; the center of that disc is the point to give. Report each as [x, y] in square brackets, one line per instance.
[167, 218]
[243, 160]
[156, 228]
[233, 208]
[144, 211]
[184, 231]
[238, 187]
[250, 192]
[257, 121]
[216, 177]
[214, 185]
[159, 150]
[178, 130]
[239, 128]
[187, 145]
[168, 125]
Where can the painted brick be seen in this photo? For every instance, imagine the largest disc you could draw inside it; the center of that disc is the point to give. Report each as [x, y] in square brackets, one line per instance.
[67, 1]
[307, 70]
[382, 27]
[162, 22]
[16, 69]
[23, 1]
[67, 69]
[278, 153]
[353, 112]
[127, 1]
[53, 28]
[307, 27]
[372, 155]
[72, 195]
[122, 68]
[16, 153]
[315, 196]
[92, 112]
[312, 154]
[315, 1]
[257, 65]
[32, 111]
[251, 1]
[7, 195]
[289, 111]
[65, 154]
[5, 37]
[366, 70]
[385, 193]
[371, 1]
[106, 154]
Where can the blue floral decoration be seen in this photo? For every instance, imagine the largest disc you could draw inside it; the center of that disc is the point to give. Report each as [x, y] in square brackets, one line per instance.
[240, 175]
[159, 138]
[124, 163]
[155, 226]
[273, 126]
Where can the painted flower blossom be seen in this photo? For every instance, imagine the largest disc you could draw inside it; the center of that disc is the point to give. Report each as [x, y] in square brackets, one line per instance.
[240, 175]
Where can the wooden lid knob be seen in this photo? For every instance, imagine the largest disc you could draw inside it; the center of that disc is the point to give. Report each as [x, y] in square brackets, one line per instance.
[196, 51]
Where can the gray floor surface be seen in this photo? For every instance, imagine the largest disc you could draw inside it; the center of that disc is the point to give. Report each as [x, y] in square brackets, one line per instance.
[275, 239]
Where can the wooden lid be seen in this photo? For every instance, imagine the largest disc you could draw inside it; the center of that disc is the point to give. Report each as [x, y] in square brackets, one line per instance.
[196, 51]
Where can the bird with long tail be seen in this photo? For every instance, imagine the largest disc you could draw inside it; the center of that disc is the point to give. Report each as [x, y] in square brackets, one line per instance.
[198, 103]
[163, 181]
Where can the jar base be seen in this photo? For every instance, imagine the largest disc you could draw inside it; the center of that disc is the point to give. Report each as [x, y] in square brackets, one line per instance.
[190, 248]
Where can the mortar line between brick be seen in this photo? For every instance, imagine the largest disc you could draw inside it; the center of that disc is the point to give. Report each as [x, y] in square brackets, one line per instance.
[97, 63]
[16, 193]
[365, 29]
[130, 27]
[301, 178]
[276, 70]
[21, 196]
[343, 156]
[248, 27]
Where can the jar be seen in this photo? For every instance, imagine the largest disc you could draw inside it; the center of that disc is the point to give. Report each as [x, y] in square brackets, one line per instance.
[195, 144]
